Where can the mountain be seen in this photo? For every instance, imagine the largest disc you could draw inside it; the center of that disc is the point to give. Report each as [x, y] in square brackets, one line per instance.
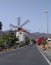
[1, 33]
[31, 35]
[37, 35]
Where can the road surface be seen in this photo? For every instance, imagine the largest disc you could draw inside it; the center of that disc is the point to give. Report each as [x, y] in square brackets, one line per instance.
[28, 55]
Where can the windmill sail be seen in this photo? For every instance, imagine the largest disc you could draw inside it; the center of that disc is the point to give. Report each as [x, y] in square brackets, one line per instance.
[13, 26]
[19, 21]
[24, 23]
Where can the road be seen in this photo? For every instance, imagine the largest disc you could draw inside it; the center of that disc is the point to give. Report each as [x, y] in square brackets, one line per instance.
[47, 54]
[28, 55]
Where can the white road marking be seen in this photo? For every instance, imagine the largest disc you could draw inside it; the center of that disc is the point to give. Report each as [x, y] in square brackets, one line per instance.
[44, 57]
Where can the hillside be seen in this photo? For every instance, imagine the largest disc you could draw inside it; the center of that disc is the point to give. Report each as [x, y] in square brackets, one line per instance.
[31, 35]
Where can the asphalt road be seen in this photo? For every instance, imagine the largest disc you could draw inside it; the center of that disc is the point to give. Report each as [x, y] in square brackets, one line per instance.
[28, 55]
[47, 54]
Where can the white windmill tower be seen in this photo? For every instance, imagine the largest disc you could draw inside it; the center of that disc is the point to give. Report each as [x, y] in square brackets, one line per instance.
[20, 32]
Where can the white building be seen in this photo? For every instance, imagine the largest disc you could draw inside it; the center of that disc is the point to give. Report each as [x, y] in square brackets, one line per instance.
[20, 34]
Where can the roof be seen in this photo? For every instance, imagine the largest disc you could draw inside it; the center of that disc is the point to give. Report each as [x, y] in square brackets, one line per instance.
[22, 30]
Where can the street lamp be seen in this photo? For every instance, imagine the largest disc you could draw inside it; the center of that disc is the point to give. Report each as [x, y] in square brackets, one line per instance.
[47, 22]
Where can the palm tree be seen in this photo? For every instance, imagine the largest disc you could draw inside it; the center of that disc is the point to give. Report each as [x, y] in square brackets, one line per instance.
[0, 25]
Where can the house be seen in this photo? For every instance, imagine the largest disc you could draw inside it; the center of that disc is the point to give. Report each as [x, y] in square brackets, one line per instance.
[21, 34]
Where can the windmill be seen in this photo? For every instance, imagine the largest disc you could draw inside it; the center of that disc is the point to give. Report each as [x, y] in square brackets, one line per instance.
[20, 32]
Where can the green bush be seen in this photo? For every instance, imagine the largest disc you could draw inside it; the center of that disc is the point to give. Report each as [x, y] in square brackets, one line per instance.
[9, 40]
[44, 43]
[27, 41]
[1, 41]
[34, 41]
[22, 44]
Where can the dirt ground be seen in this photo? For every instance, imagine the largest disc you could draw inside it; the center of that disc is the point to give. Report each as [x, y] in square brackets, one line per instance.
[47, 47]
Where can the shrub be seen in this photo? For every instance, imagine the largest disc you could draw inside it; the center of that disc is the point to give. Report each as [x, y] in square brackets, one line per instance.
[34, 41]
[44, 43]
[27, 41]
[9, 40]
[22, 44]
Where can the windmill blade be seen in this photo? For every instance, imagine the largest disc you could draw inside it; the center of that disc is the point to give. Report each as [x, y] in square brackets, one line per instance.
[19, 21]
[26, 30]
[13, 26]
[24, 23]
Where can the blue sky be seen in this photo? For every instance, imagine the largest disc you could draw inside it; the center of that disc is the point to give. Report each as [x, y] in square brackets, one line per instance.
[26, 9]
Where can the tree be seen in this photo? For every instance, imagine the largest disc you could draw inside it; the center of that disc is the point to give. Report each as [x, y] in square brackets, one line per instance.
[0, 25]
[11, 32]
[40, 40]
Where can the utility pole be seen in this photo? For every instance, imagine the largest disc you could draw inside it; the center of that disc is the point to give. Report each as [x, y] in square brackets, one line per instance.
[47, 22]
